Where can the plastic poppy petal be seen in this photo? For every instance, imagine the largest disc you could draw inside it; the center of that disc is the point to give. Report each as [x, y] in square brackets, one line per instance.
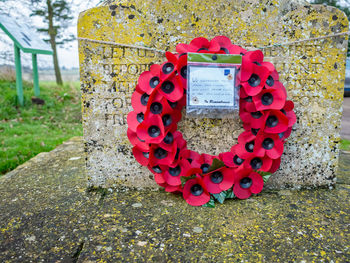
[201, 197]
[159, 179]
[254, 56]
[171, 57]
[276, 122]
[292, 118]
[251, 91]
[139, 101]
[227, 158]
[140, 156]
[173, 189]
[240, 192]
[134, 120]
[189, 155]
[172, 89]
[132, 136]
[257, 184]
[160, 156]
[246, 71]
[276, 151]
[275, 165]
[151, 130]
[147, 82]
[270, 99]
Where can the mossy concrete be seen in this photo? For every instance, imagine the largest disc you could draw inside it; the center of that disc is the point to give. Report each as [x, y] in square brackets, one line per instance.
[48, 214]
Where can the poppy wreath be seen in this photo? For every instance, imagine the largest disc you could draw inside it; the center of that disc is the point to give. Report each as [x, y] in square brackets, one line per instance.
[267, 119]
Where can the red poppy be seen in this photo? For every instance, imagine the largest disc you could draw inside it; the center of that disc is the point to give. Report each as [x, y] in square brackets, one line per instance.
[219, 180]
[139, 101]
[288, 111]
[168, 140]
[180, 62]
[269, 144]
[173, 174]
[149, 80]
[171, 88]
[157, 104]
[246, 183]
[180, 144]
[134, 119]
[284, 135]
[204, 162]
[256, 120]
[173, 189]
[160, 156]
[141, 156]
[199, 45]
[258, 163]
[158, 172]
[135, 141]
[195, 192]
[151, 130]
[227, 46]
[275, 165]
[246, 145]
[253, 74]
[270, 99]
[231, 159]
[189, 155]
[246, 102]
[276, 122]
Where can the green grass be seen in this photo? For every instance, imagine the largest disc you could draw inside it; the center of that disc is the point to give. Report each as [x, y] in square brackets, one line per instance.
[31, 129]
[345, 145]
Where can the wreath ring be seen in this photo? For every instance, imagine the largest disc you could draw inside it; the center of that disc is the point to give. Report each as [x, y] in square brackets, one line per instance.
[267, 118]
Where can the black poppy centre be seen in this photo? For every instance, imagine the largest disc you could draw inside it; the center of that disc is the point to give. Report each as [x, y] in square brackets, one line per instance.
[246, 182]
[196, 190]
[217, 177]
[254, 80]
[268, 144]
[256, 163]
[153, 131]
[267, 99]
[156, 108]
[167, 120]
[154, 82]
[167, 87]
[205, 167]
[237, 160]
[160, 153]
[168, 68]
[272, 121]
[169, 138]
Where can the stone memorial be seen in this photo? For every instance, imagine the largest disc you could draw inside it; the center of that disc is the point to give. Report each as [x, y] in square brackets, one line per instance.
[306, 43]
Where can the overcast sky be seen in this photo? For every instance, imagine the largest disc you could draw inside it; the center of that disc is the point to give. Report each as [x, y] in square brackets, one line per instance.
[68, 55]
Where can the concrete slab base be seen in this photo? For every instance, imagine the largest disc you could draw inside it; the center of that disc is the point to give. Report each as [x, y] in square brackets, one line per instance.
[48, 214]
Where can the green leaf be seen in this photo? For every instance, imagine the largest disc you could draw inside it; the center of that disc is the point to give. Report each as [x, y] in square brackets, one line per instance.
[220, 197]
[184, 179]
[263, 173]
[216, 165]
[266, 177]
[211, 203]
[230, 194]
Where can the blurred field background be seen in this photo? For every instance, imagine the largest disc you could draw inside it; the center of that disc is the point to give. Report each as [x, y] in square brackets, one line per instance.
[31, 129]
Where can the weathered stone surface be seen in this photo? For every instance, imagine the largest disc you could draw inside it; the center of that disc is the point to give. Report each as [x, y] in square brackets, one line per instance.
[48, 216]
[45, 211]
[312, 71]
